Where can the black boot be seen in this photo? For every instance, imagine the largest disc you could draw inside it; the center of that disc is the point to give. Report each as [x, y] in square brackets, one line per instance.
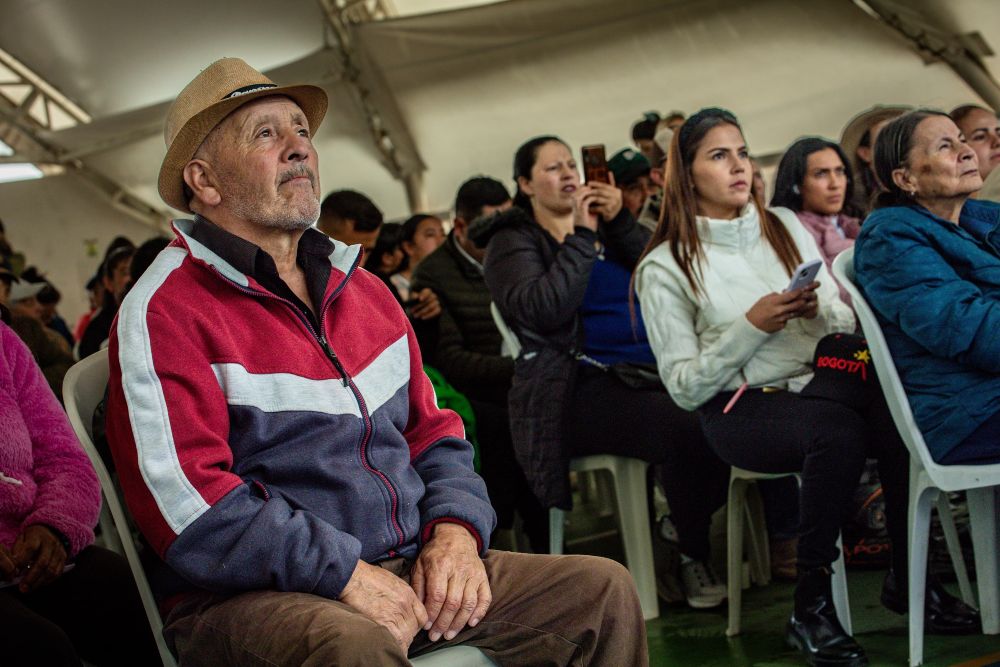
[814, 628]
[944, 614]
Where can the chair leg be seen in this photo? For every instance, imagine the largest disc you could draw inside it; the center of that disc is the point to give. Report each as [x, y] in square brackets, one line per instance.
[954, 548]
[840, 599]
[921, 501]
[557, 521]
[109, 533]
[629, 478]
[734, 550]
[982, 516]
[759, 551]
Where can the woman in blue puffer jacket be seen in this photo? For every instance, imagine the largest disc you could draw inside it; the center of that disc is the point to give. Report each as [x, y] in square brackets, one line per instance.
[928, 262]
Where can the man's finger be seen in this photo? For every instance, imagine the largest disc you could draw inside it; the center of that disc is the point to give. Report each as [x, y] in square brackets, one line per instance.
[485, 599]
[452, 605]
[435, 597]
[420, 613]
[470, 602]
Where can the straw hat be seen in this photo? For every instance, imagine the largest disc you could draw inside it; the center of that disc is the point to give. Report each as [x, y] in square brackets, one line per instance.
[220, 89]
[856, 128]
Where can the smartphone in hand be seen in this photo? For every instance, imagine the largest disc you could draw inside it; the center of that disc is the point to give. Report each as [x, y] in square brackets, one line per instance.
[805, 273]
[595, 164]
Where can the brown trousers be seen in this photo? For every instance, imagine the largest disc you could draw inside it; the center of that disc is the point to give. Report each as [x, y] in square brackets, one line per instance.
[547, 610]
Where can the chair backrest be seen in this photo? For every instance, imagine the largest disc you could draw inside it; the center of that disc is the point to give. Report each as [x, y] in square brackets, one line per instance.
[944, 477]
[83, 389]
[511, 345]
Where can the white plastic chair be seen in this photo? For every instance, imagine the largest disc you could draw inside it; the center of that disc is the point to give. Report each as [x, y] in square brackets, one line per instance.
[629, 480]
[736, 510]
[928, 480]
[83, 389]
[454, 656]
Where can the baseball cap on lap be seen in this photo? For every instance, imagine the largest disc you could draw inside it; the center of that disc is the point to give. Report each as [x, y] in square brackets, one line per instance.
[843, 371]
[220, 89]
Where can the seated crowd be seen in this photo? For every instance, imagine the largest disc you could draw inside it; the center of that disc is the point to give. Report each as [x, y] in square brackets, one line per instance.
[279, 373]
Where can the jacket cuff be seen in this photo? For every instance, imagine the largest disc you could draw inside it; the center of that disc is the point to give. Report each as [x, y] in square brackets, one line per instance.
[74, 537]
[585, 233]
[428, 530]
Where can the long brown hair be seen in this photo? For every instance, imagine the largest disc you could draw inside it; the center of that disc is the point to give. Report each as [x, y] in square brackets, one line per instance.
[678, 223]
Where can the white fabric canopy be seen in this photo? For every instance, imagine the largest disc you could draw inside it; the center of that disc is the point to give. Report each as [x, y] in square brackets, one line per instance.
[467, 86]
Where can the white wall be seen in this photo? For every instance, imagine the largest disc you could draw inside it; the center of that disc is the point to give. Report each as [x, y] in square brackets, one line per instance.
[63, 225]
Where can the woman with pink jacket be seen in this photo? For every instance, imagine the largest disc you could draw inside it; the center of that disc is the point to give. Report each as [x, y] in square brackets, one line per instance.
[815, 181]
[60, 597]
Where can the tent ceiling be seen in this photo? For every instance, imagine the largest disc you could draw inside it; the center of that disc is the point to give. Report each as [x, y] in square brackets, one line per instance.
[472, 84]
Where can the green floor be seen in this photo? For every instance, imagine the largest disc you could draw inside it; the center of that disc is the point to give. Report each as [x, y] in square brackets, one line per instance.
[683, 636]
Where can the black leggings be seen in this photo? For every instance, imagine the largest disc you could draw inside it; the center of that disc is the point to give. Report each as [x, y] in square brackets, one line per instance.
[92, 611]
[607, 417]
[828, 443]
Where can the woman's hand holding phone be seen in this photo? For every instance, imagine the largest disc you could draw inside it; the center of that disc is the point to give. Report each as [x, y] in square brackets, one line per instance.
[811, 309]
[772, 311]
[607, 199]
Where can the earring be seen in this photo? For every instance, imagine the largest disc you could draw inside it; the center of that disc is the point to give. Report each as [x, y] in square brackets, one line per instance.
[796, 190]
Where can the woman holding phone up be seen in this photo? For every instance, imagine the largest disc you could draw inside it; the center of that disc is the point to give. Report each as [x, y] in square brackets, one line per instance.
[558, 267]
[733, 345]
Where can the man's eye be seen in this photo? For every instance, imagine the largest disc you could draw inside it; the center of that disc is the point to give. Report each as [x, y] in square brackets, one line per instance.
[264, 133]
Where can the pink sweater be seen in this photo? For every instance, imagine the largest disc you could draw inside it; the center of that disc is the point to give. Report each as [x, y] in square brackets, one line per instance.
[829, 240]
[45, 476]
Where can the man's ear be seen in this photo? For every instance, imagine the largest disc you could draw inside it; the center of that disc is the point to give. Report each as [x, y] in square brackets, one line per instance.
[657, 176]
[460, 225]
[199, 177]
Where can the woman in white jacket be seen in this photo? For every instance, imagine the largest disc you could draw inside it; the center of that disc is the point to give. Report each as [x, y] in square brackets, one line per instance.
[731, 343]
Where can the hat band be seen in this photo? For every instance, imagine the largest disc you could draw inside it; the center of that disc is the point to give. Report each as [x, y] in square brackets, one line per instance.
[245, 90]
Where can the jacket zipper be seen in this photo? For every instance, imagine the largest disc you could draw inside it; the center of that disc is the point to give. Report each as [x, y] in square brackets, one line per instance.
[348, 383]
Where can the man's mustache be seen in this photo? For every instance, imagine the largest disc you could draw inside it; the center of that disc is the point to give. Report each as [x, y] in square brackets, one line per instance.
[296, 172]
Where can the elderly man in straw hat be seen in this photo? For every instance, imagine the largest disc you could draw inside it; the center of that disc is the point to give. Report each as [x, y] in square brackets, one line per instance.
[280, 447]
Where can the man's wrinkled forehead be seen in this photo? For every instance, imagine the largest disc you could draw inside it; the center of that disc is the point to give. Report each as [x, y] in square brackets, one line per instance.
[237, 121]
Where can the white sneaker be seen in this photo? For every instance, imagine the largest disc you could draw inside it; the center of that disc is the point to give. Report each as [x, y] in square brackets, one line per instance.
[667, 530]
[702, 587]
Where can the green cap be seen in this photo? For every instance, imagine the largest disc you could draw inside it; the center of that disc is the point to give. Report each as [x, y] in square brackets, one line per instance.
[628, 165]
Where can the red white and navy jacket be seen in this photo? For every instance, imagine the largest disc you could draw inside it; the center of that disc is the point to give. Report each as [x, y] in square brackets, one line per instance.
[258, 453]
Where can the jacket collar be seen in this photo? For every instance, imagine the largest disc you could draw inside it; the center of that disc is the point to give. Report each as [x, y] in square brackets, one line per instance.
[342, 257]
[735, 233]
[468, 264]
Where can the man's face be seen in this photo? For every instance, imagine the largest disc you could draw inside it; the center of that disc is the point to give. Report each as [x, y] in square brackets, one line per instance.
[264, 164]
[634, 194]
[345, 232]
[462, 230]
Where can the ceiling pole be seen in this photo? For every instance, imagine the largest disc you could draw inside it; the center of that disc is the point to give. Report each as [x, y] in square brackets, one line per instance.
[391, 144]
[25, 132]
[936, 44]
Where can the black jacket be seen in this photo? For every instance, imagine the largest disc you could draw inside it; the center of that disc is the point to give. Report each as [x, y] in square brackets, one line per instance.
[468, 344]
[539, 284]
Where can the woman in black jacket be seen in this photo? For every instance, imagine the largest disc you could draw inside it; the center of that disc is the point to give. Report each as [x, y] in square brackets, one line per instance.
[558, 266]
